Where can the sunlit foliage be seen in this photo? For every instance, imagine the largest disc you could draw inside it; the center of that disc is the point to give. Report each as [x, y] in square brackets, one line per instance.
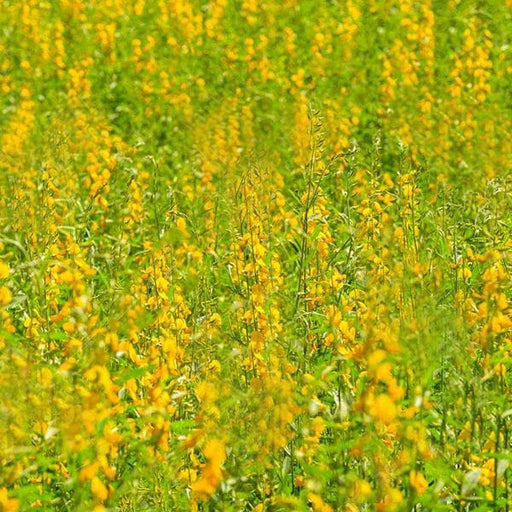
[255, 255]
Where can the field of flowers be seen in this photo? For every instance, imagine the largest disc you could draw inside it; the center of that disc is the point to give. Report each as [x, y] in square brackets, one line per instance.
[255, 255]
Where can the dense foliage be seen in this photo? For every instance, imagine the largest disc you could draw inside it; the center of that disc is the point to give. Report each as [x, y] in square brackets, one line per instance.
[255, 255]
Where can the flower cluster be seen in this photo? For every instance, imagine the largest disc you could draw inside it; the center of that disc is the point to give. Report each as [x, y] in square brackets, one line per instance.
[255, 255]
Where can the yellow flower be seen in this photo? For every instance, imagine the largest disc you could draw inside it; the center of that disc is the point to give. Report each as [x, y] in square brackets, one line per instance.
[383, 409]
[391, 501]
[98, 489]
[4, 270]
[319, 504]
[88, 472]
[7, 504]
[207, 393]
[215, 454]
[5, 296]
[361, 490]
[418, 482]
